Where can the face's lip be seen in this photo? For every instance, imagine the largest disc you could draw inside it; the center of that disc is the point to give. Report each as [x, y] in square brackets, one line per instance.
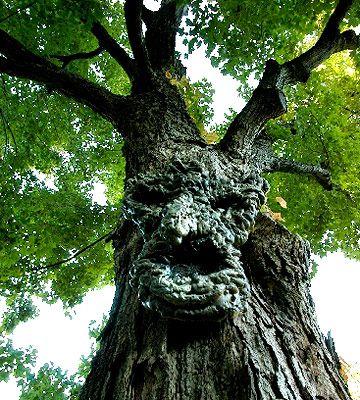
[180, 291]
[216, 310]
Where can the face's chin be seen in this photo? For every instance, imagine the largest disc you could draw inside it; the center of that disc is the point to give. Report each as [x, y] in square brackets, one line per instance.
[191, 291]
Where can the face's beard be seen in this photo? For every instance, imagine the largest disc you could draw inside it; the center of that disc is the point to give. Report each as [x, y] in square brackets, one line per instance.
[193, 223]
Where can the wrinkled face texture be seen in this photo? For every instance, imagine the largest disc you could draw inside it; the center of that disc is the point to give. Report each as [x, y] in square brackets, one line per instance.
[193, 221]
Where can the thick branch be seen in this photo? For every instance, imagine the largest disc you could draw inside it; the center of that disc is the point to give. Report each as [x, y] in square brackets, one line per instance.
[16, 60]
[264, 160]
[332, 27]
[162, 27]
[114, 49]
[282, 165]
[77, 56]
[133, 13]
[147, 15]
[268, 100]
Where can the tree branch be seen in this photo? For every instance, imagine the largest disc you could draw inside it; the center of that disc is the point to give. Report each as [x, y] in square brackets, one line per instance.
[16, 60]
[283, 165]
[160, 37]
[6, 126]
[77, 56]
[61, 262]
[330, 42]
[107, 42]
[147, 15]
[268, 100]
[133, 13]
[264, 160]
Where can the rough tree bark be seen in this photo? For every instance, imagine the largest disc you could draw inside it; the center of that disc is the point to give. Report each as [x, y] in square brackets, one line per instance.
[272, 349]
[212, 297]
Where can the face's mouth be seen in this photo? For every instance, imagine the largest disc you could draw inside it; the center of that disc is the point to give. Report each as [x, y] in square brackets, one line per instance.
[194, 280]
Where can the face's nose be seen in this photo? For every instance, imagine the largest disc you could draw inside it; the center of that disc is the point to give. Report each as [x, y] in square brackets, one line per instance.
[180, 219]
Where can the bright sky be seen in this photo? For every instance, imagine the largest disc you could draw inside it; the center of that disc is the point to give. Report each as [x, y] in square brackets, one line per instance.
[335, 287]
[57, 338]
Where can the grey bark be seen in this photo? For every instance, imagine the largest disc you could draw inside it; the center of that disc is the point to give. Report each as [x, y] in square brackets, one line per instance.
[270, 349]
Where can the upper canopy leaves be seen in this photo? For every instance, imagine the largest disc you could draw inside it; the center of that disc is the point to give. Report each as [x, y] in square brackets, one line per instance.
[241, 36]
[322, 127]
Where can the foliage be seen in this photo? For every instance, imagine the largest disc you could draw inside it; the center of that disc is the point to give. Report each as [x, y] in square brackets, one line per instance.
[52, 157]
[198, 98]
[49, 381]
[241, 37]
[322, 128]
[15, 362]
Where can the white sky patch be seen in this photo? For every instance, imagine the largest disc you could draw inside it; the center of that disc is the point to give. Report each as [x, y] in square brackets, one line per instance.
[226, 95]
[335, 290]
[58, 338]
[152, 5]
[99, 193]
[47, 179]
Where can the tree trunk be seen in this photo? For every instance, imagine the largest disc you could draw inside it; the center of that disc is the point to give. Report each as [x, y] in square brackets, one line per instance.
[272, 351]
[259, 339]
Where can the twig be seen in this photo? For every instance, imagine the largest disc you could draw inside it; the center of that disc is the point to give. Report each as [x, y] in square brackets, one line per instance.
[58, 263]
[5, 131]
[77, 56]
[6, 124]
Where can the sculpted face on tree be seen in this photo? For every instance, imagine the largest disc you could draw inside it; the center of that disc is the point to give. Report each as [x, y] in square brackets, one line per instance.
[193, 221]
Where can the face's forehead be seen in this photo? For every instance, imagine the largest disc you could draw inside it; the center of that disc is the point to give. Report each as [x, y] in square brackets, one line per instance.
[203, 183]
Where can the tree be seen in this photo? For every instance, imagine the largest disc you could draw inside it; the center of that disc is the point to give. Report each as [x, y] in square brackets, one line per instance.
[212, 293]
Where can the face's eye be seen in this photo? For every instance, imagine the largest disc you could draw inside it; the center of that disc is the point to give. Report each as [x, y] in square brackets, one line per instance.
[227, 202]
[150, 197]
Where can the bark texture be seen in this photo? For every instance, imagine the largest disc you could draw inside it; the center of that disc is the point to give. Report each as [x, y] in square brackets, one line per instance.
[274, 350]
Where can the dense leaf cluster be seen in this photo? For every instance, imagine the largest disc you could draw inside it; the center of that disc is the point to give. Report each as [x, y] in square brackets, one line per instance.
[322, 127]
